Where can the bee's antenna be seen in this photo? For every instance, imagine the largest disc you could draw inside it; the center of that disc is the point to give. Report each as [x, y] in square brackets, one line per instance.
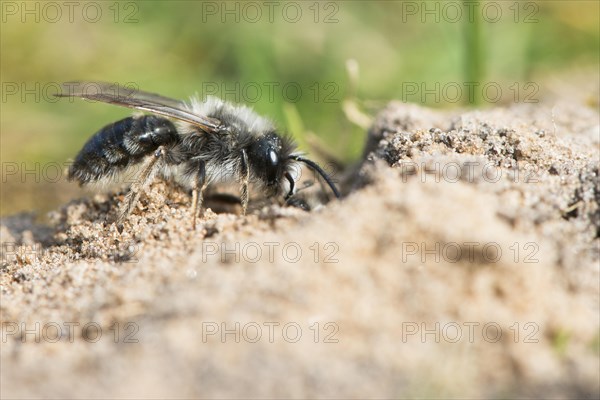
[314, 166]
[288, 176]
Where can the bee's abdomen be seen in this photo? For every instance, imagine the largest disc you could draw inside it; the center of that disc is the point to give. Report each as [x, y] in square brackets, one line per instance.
[120, 145]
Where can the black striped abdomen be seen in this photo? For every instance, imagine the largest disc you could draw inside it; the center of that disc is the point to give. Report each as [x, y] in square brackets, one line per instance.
[120, 145]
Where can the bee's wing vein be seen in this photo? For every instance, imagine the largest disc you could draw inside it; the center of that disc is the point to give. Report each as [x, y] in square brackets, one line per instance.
[140, 100]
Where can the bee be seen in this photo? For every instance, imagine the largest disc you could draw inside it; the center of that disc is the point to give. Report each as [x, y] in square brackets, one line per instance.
[195, 144]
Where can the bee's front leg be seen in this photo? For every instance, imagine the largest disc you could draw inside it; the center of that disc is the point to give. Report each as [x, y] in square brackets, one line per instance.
[197, 192]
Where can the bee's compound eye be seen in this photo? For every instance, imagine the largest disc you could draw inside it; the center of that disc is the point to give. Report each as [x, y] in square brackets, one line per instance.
[264, 158]
[273, 158]
[272, 165]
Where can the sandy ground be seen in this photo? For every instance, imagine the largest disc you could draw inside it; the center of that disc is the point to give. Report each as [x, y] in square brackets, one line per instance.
[462, 262]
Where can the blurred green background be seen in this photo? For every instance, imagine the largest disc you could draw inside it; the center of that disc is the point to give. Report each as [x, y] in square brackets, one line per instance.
[319, 69]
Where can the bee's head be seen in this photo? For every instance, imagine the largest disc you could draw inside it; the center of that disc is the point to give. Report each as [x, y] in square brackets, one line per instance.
[272, 162]
[269, 159]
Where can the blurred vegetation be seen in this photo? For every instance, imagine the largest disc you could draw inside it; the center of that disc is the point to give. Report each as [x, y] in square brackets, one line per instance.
[177, 48]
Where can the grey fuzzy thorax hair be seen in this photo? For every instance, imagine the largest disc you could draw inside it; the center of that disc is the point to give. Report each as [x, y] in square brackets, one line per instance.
[221, 152]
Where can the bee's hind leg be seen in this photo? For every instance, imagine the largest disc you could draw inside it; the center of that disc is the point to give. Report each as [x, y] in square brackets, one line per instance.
[245, 175]
[197, 192]
[141, 181]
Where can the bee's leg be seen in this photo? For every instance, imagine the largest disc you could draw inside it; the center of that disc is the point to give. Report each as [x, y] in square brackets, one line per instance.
[245, 175]
[141, 181]
[197, 196]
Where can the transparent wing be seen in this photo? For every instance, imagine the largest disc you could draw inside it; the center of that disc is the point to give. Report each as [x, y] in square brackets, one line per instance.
[130, 97]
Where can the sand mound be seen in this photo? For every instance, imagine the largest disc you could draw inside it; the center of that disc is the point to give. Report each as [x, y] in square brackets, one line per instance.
[462, 262]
